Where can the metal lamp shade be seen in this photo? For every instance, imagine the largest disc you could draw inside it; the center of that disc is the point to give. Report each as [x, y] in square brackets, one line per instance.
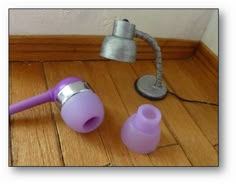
[119, 49]
[120, 46]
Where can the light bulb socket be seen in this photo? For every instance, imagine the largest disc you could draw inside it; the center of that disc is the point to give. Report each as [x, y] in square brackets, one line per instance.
[123, 29]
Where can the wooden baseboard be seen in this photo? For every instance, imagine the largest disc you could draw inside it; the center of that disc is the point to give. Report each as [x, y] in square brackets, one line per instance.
[207, 57]
[84, 48]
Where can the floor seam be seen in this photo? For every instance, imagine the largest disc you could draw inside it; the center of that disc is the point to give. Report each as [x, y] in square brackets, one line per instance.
[174, 136]
[53, 118]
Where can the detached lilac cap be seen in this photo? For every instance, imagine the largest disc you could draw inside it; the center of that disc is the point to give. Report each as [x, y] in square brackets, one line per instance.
[141, 131]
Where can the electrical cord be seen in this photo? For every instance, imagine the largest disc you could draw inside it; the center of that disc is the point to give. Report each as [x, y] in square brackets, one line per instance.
[191, 101]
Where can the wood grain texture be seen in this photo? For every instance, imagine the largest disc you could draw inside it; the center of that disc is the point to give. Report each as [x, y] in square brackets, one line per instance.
[33, 136]
[194, 143]
[78, 149]
[196, 83]
[71, 48]
[89, 48]
[84, 56]
[88, 40]
[116, 114]
[39, 136]
[124, 77]
[207, 58]
[190, 81]
[104, 68]
[97, 74]
[170, 155]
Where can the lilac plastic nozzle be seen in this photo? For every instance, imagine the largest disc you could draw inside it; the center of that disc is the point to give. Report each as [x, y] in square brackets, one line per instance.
[81, 108]
[141, 131]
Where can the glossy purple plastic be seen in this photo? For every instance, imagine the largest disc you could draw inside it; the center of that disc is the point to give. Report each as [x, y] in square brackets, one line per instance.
[83, 112]
[49, 96]
[141, 131]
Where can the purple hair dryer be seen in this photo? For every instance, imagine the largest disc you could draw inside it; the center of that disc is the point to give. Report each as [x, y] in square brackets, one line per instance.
[81, 108]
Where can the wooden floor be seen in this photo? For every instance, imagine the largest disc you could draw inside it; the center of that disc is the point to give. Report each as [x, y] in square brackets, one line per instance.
[38, 136]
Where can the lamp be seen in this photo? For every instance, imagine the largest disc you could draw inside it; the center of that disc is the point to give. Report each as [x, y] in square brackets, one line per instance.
[120, 46]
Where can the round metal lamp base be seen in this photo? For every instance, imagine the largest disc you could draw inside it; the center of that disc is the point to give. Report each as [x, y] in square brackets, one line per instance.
[145, 87]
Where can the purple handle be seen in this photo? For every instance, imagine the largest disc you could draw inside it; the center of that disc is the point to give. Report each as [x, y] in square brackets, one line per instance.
[83, 112]
[31, 102]
[49, 96]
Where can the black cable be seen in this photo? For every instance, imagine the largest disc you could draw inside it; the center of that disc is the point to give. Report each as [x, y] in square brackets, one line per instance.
[191, 101]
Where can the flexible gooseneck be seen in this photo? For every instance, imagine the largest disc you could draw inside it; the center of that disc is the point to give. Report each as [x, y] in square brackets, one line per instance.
[153, 43]
[120, 46]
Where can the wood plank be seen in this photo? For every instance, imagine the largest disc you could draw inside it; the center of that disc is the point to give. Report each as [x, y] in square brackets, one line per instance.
[194, 143]
[55, 39]
[204, 63]
[195, 83]
[209, 71]
[55, 47]
[97, 75]
[98, 70]
[190, 81]
[59, 48]
[177, 49]
[217, 147]
[210, 57]
[9, 153]
[84, 56]
[171, 42]
[206, 118]
[89, 39]
[33, 136]
[88, 48]
[170, 156]
[78, 149]
[124, 78]
[54, 56]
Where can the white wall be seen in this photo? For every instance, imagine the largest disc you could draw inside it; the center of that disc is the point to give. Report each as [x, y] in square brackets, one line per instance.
[210, 36]
[183, 24]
